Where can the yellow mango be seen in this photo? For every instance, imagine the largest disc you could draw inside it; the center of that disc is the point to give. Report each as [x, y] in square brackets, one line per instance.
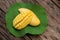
[22, 20]
[35, 20]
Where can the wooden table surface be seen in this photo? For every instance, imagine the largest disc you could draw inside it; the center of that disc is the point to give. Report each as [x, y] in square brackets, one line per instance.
[53, 14]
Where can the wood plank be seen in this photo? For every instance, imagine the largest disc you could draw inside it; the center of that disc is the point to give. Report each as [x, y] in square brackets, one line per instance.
[53, 14]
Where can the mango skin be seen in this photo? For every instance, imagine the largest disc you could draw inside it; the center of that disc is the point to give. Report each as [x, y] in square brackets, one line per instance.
[35, 20]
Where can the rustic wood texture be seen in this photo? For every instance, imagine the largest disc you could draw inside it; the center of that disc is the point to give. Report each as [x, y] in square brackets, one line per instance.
[53, 14]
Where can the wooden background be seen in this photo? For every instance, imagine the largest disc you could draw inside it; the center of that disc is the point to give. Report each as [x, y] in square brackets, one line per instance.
[53, 13]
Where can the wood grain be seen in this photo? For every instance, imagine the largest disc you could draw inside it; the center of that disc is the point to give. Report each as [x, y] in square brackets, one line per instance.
[53, 14]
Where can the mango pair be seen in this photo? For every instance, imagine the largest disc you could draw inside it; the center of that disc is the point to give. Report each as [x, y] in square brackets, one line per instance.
[24, 18]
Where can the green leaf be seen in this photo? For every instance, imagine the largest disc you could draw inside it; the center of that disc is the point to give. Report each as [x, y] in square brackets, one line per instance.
[13, 12]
